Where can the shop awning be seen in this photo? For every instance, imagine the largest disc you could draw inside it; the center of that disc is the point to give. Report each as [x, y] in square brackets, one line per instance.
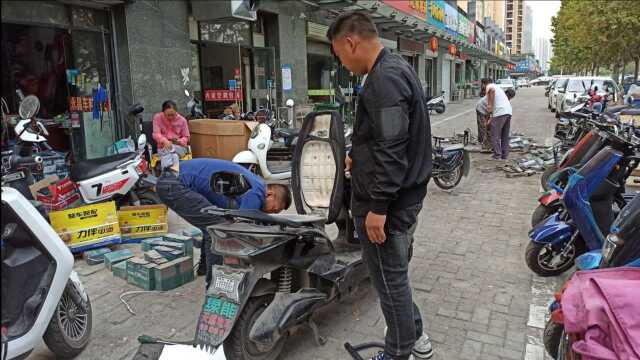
[100, 4]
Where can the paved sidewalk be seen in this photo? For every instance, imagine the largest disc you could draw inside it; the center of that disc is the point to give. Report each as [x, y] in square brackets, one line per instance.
[468, 271]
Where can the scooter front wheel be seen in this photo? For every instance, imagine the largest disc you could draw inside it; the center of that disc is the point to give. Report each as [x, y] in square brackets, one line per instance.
[69, 330]
[542, 212]
[439, 109]
[545, 260]
[238, 346]
[449, 180]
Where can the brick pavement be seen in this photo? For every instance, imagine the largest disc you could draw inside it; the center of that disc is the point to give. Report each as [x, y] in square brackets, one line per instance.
[468, 271]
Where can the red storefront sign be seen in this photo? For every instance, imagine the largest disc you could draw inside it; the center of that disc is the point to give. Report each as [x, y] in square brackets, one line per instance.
[223, 95]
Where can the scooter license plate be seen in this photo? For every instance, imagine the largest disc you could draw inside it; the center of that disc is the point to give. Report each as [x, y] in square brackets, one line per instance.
[227, 282]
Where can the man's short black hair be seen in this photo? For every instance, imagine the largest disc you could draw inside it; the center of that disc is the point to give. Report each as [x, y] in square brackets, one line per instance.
[284, 195]
[169, 104]
[486, 81]
[352, 23]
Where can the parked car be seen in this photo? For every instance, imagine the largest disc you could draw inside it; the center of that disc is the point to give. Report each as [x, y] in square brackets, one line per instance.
[578, 87]
[523, 82]
[506, 84]
[549, 87]
[557, 88]
[541, 81]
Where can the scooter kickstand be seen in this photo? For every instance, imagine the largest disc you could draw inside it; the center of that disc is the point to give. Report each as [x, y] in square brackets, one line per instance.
[316, 333]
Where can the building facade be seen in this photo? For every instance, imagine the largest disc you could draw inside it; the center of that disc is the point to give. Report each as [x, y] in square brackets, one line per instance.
[514, 24]
[527, 31]
[542, 51]
[88, 61]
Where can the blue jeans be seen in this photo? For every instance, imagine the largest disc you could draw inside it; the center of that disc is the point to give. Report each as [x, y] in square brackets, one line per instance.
[388, 266]
[188, 204]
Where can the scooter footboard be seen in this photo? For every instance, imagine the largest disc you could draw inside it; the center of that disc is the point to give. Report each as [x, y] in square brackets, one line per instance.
[284, 311]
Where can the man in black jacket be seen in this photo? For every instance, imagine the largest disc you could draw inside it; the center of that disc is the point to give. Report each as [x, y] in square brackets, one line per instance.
[390, 166]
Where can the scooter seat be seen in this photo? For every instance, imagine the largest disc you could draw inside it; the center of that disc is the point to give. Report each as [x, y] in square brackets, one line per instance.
[293, 220]
[87, 169]
[453, 147]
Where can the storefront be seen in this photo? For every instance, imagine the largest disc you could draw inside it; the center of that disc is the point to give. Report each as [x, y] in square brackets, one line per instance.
[235, 64]
[63, 55]
[411, 51]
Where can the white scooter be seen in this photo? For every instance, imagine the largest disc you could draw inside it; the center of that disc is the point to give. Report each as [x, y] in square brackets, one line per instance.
[255, 159]
[42, 297]
[111, 177]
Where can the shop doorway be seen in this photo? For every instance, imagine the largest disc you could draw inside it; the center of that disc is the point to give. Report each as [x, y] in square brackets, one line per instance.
[446, 79]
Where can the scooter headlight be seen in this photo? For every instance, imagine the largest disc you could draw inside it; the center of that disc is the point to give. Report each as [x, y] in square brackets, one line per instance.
[609, 247]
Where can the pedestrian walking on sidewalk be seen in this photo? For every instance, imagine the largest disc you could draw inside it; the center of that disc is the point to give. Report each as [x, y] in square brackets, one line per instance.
[499, 110]
[390, 165]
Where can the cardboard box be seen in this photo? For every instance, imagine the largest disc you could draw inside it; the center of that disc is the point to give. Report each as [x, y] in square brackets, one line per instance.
[220, 139]
[87, 226]
[120, 270]
[140, 273]
[115, 257]
[174, 273]
[143, 221]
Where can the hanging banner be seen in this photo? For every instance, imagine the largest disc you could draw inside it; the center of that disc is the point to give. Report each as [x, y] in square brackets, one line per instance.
[435, 13]
[223, 95]
[417, 8]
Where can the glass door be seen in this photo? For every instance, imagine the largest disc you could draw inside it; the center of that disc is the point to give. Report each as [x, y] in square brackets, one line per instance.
[264, 92]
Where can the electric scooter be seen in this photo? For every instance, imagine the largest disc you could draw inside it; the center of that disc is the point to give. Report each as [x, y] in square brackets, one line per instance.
[42, 297]
[436, 103]
[621, 248]
[278, 270]
[588, 200]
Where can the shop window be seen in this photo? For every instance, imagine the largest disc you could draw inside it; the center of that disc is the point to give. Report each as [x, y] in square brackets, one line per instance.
[89, 18]
[235, 33]
[41, 12]
[34, 62]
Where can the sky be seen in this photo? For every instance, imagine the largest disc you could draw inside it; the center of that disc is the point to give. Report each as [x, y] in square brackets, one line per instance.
[543, 10]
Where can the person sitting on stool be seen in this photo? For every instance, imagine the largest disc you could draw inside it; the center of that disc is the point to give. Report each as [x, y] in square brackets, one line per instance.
[187, 187]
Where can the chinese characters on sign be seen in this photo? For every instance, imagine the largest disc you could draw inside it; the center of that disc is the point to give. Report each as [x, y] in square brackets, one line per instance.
[223, 95]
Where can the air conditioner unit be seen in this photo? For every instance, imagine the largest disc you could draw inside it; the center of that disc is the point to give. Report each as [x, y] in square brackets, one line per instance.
[204, 10]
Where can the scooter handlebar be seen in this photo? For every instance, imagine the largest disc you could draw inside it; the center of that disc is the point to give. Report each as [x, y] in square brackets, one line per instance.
[17, 160]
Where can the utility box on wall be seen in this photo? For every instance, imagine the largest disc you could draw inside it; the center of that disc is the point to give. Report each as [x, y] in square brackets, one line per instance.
[221, 9]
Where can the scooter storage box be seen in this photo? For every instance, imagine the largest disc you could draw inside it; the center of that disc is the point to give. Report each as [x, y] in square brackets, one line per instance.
[219, 139]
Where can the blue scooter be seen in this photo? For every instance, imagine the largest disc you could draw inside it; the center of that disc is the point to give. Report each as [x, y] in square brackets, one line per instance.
[559, 239]
[621, 248]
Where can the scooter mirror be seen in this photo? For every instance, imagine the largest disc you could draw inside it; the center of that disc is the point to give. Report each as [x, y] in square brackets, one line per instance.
[142, 141]
[186, 93]
[289, 103]
[29, 106]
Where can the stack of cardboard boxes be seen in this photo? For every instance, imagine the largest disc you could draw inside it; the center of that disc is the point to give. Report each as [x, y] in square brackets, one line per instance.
[166, 262]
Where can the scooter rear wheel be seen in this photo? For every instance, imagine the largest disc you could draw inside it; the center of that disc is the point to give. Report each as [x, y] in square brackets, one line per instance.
[69, 330]
[238, 346]
[449, 180]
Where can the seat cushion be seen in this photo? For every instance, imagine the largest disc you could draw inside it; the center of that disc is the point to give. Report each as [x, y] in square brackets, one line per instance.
[87, 169]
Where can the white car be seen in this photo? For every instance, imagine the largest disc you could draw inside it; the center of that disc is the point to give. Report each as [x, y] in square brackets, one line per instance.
[505, 84]
[556, 90]
[577, 88]
[523, 83]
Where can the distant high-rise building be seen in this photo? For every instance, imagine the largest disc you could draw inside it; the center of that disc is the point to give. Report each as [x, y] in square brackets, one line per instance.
[494, 10]
[514, 19]
[527, 39]
[543, 52]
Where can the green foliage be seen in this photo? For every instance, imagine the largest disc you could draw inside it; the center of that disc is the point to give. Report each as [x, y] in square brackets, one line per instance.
[591, 33]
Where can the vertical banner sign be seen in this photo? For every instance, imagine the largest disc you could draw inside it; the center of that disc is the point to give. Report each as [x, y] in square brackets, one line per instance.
[287, 79]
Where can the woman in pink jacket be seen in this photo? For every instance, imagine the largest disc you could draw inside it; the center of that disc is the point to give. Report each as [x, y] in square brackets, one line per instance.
[169, 127]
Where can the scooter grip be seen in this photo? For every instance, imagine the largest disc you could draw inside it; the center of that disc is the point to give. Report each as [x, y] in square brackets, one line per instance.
[26, 160]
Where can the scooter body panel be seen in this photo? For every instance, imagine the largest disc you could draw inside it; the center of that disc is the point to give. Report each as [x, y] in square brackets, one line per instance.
[56, 248]
[551, 231]
[259, 144]
[245, 157]
[119, 181]
[549, 198]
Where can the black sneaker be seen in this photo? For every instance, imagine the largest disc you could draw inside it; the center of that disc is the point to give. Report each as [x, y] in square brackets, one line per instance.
[202, 270]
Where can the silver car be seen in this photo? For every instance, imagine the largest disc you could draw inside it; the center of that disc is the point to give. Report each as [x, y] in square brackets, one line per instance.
[577, 89]
[557, 89]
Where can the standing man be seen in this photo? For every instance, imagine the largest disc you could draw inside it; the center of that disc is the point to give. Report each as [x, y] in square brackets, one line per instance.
[499, 109]
[391, 168]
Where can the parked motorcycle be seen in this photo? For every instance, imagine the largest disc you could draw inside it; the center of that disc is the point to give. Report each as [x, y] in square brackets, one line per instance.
[588, 201]
[599, 135]
[194, 107]
[42, 297]
[436, 103]
[450, 164]
[278, 270]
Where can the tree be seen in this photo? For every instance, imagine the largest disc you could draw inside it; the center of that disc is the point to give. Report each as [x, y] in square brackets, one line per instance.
[593, 34]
